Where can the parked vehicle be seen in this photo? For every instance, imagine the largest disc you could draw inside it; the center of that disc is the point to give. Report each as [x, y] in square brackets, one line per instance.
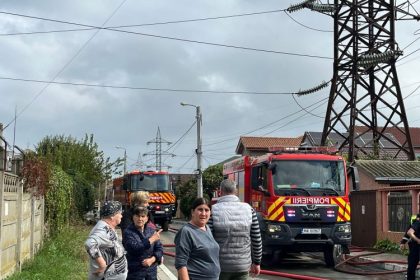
[157, 183]
[301, 196]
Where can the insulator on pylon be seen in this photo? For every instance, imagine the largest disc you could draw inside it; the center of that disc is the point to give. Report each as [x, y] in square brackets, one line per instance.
[296, 7]
[322, 8]
[314, 89]
[369, 60]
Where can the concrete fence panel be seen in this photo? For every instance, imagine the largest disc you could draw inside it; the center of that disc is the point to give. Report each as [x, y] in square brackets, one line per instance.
[21, 224]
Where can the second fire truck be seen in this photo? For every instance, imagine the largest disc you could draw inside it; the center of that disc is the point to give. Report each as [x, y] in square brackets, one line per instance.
[161, 196]
[301, 197]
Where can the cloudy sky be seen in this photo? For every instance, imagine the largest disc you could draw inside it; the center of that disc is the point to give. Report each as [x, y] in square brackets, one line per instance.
[64, 77]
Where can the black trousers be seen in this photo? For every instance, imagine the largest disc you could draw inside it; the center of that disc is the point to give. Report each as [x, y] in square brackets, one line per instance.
[413, 260]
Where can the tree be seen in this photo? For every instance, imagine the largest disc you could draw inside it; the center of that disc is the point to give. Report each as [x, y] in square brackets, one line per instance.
[187, 192]
[35, 173]
[58, 200]
[83, 162]
[212, 177]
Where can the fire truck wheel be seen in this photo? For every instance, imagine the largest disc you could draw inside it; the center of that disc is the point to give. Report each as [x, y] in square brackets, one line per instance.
[165, 225]
[332, 255]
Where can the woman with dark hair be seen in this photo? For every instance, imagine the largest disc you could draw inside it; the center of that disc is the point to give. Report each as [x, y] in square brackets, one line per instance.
[143, 246]
[197, 253]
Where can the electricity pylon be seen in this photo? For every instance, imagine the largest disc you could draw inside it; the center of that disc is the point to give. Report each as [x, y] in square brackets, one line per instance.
[158, 151]
[365, 90]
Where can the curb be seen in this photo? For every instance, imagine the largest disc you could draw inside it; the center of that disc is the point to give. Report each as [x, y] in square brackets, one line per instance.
[388, 266]
[165, 274]
[179, 221]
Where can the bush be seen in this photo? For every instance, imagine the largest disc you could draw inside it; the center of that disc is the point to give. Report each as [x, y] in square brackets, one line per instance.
[387, 246]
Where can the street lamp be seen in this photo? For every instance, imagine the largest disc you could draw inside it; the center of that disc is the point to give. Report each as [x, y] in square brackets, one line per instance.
[198, 150]
[125, 157]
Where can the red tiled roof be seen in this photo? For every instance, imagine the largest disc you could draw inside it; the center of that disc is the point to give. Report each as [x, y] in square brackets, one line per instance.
[414, 133]
[263, 143]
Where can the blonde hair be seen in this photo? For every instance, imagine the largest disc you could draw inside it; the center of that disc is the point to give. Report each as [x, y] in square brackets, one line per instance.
[139, 198]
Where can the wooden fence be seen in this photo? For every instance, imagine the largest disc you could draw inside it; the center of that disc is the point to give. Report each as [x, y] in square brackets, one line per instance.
[21, 224]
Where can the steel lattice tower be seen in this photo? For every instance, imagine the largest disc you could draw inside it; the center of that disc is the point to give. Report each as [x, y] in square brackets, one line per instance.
[158, 151]
[365, 90]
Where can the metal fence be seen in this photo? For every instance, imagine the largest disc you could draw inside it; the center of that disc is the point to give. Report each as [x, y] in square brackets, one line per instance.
[21, 224]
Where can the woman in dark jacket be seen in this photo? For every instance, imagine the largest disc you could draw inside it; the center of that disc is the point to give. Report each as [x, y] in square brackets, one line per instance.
[143, 246]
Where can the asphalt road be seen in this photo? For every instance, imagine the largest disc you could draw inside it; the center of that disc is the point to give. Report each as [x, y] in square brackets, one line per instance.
[301, 264]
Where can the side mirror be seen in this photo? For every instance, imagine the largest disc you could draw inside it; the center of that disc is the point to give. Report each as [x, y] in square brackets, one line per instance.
[125, 184]
[273, 168]
[353, 173]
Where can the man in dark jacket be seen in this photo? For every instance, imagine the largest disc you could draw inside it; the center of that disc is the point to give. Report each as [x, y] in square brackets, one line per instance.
[413, 256]
[406, 238]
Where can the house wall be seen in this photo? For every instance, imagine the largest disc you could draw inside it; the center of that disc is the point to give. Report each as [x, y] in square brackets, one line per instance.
[367, 183]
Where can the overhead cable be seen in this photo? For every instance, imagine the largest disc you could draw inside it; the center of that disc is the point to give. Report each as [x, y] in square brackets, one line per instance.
[47, 83]
[137, 25]
[178, 39]
[308, 27]
[143, 88]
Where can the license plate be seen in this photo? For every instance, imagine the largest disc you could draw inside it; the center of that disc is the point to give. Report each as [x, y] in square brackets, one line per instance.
[159, 212]
[311, 231]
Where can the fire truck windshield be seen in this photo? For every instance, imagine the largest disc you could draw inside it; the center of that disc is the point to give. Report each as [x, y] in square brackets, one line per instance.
[314, 177]
[147, 182]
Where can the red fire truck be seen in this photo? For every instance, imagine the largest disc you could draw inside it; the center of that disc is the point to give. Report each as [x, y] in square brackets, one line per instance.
[157, 183]
[301, 197]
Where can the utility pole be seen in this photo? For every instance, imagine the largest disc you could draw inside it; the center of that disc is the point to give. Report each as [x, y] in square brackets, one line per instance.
[198, 151]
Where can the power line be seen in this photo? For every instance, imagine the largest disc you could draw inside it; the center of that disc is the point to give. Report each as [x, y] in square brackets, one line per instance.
[133, 25]
[62, 68]
[267, 125]
[193, 155]
[174, 38]
[182, 137]
[308, 27]
[304, 109]
[143, 88]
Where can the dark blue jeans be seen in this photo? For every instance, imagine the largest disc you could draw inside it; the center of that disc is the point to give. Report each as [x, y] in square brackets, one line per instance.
[141, 276]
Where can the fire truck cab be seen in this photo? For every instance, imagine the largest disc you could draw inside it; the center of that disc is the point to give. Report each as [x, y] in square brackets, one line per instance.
[301, 197]
[161, 196]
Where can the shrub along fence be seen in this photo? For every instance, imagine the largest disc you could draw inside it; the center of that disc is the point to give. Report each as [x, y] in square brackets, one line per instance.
[21, 224]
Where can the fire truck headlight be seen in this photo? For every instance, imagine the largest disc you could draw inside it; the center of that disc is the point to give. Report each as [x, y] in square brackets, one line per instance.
[274, 228]
[344, 228]
[167, 209]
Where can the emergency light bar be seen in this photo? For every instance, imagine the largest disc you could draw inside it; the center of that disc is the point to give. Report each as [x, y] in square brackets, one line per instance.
[316, 149]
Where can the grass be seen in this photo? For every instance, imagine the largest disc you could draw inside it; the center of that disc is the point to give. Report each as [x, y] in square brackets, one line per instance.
[63, 257]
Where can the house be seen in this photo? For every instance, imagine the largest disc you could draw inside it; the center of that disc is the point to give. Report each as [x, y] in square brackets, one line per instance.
[400, 136]
[388, 196]
[386, 147]
[254, 146]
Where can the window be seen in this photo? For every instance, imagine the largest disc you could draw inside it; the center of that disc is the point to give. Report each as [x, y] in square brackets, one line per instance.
[399, 211]
[259, 177]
